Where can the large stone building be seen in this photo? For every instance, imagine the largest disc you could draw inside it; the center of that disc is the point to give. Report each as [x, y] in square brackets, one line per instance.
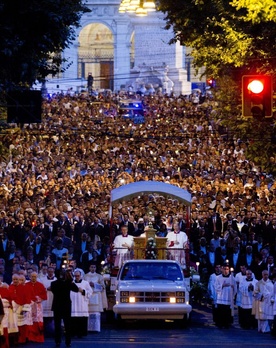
[124, 51]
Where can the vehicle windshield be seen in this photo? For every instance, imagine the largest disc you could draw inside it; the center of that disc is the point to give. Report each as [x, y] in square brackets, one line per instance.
[151, 271]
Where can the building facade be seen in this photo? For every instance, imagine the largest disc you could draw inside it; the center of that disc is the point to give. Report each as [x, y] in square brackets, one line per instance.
[123, 51]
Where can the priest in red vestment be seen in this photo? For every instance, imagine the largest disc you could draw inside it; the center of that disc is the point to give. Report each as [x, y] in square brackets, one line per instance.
[38, 293]
[21, 302]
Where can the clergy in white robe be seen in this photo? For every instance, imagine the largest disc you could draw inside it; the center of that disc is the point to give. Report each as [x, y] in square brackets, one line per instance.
[212, 291]
[48, 314]
[273, 331]
[98, 299]
[8, 323]
[238, 278]
[80, 301]
[226, 289]
[123, 245]
[47, 304]
[246, 288]
[263, 302]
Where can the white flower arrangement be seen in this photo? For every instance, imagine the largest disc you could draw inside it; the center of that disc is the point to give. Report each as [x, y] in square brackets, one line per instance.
[151, 251]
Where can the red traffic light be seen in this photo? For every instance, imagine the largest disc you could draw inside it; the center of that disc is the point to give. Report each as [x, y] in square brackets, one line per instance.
[210, 82]
[255, 86]
[257, 99]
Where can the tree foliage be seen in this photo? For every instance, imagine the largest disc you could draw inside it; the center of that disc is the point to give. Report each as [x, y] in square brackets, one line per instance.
[257, 11]
[231, 39]
[33, 33]
[257, 133]
[225, 34]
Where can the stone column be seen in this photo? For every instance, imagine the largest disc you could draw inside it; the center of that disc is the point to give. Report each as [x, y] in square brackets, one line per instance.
[122, 52]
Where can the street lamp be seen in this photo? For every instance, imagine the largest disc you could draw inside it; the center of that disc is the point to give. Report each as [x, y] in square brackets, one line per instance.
[138, 7]
[149, 5]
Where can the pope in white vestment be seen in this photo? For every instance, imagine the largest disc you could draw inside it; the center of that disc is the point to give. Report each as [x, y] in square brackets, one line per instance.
[177, 242]
[123, 245]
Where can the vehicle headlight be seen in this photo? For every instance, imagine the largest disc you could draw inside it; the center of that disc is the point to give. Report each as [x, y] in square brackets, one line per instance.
[132, 299]
[124, 296]
[180, 297]
[172, 300]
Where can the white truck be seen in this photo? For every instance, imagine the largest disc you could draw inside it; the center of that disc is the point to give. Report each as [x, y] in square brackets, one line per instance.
[152, 289]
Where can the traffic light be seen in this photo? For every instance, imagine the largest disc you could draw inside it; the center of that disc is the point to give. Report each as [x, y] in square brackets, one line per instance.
[257, 96]
[211, 82]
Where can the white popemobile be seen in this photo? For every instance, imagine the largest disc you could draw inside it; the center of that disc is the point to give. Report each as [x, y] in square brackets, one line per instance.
[152, 289]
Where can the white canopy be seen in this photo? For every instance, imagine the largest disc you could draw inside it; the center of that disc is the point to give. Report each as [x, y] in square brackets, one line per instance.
[129, 191]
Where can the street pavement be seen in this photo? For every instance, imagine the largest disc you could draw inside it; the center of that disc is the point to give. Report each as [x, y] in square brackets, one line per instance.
[201, 333]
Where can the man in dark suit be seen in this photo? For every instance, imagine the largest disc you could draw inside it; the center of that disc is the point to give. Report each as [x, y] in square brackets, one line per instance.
[4, 275]
[80, 227]
[182, 222]
[211, 259]
[3, 243]
[62, 222]
[38, 249]
[248, 258]
[10, 255]
[270, 264]
[230, 223]
[43, 230]
[65, 240]
[270, 236]
[106, 228]
[214, 223]
[90, 80]
[19, 233]
[96, 229]
[235, 259]
[61, 306]
[82, 245]
[88, 256]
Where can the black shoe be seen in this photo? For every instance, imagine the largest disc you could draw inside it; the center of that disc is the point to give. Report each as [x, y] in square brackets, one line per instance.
[68, 344]
[57, 345]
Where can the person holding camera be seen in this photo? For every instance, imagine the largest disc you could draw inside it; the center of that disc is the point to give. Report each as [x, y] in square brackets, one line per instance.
[61, 306]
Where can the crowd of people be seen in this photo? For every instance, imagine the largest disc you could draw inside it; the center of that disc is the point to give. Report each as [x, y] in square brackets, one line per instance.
[56, 178]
